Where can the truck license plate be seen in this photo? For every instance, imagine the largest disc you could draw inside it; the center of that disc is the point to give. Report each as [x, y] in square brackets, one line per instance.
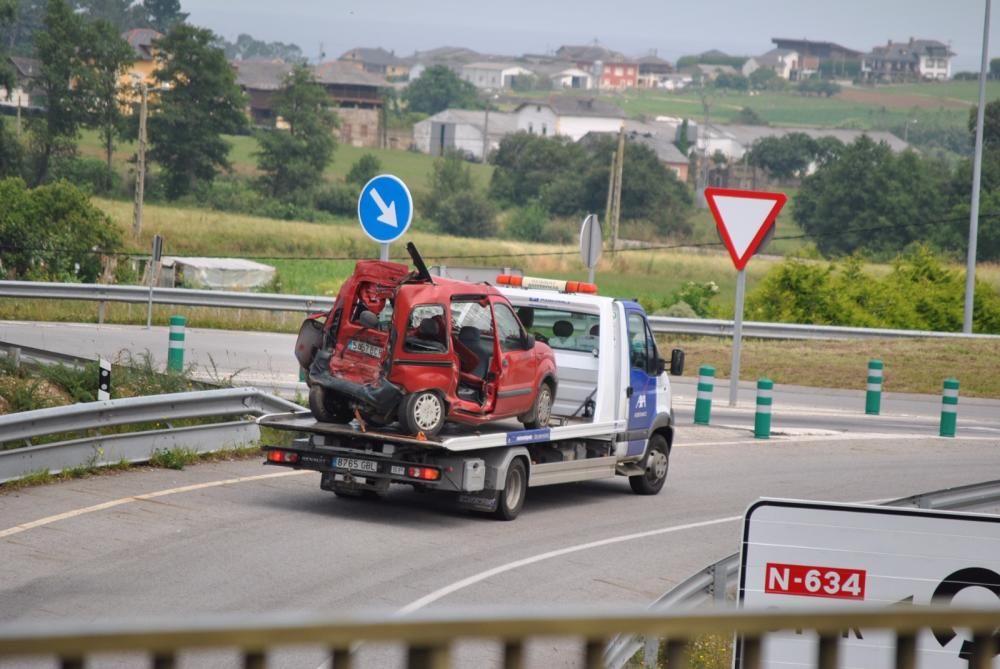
[355, 465]
[364, 347]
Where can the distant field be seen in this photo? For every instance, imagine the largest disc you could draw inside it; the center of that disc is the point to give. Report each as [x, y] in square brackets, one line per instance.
[413, 168]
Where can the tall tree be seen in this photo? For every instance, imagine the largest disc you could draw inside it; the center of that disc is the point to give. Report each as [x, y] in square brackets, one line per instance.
[107, 57]
[247, 46]
[293, 162]
[57, 47]
[197, 102]
[438, 88]
[164, 14]
[19, 34]
[10, 147]
[122, 14]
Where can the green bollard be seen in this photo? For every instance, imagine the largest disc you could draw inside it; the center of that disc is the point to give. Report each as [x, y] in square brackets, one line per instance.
[949, 408]
[703, 405]
[873, 398]
[302, 374]
[175, 350]
[762, 419]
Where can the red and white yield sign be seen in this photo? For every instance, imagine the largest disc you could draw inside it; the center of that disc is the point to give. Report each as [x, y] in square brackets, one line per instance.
[744, 218]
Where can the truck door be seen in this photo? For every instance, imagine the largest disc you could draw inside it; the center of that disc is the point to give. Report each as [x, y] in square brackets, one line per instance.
[642, 381]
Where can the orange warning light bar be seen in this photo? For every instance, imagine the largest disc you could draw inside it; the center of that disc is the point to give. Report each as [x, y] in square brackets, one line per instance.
[546, 284]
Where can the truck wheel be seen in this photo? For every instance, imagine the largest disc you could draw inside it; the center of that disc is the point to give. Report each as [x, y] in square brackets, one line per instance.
[423, 411]
[326, 408]
[657, 464]
[541, 410]
[515, 488]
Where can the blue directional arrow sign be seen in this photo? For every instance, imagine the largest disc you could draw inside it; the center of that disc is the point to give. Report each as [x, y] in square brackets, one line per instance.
[385, 208]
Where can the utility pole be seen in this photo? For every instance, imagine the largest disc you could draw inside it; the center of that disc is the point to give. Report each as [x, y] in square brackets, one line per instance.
[612, 173]
[486, 133]
[140, 165]
[617, 199]
[977, 171]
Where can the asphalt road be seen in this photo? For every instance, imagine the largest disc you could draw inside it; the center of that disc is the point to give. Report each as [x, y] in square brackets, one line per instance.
[251, 539]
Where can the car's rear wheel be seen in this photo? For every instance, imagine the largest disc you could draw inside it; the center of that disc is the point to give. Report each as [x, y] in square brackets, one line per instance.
[327, 408]
[541, 410]
[422, 412]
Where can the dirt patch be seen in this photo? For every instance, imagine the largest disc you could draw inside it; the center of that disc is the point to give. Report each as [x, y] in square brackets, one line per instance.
[869, 96]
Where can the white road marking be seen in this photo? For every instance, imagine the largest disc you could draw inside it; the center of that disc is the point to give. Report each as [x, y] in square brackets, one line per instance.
[516, 564]
[48, 520]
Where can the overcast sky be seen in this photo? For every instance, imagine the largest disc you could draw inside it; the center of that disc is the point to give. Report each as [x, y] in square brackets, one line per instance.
[634, 27]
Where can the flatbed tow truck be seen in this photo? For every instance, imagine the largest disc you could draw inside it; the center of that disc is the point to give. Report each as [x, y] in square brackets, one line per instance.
[612, 416]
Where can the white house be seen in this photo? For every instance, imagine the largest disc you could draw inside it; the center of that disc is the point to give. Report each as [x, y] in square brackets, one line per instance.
[908, 61]
[571, 117]
[572, 77]
[493, 76]
[23, 94]
[462, 130]
[676, 81]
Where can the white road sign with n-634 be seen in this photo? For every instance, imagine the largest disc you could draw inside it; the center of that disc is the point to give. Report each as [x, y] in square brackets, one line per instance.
[808, 554]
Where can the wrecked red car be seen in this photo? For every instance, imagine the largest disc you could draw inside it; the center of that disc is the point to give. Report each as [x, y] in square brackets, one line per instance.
[403, 345]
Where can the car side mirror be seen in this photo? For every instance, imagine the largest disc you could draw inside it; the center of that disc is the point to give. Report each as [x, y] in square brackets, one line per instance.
[368, 320]
[529, 342]
[676, 362]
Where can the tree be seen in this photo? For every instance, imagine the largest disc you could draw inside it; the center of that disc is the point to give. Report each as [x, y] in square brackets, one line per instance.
[735, 82]
[870, 199]
[293, 162]
[683, 142]
[247, 46]
[438, 88]
[764, 78]
[994, 68]
[57, 47]
[991, 125]
[198, 101]
[107, 57]
[453, 202]
[10, 148]
[783, 157]
[122, 14]
[163, 15]
[18, 34]
[748, 116]
[361, 172]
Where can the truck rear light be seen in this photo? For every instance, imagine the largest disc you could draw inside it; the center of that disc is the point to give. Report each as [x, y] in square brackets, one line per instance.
[282, 456]
[424, 473]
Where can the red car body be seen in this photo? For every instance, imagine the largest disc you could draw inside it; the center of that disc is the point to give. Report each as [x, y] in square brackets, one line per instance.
[424, 350]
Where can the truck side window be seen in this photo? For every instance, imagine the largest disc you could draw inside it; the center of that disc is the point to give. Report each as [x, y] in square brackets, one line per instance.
[639, 346]
[508, 328]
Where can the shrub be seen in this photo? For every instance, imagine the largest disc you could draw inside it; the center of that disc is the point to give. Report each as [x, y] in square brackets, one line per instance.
[362, 171]
[467, 214]
[89, 174]
[338, 199]
[528, 223]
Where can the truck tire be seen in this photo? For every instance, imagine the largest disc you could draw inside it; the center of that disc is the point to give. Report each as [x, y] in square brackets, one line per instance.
[422, 411]
[326, 408]
[541, 410]
[657, 465]
[515, 488]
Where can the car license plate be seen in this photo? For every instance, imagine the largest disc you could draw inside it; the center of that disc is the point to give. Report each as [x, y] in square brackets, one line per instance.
[355, 465]
[359, 346]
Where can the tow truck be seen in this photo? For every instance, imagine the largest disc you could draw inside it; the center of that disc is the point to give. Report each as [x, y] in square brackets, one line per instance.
[612, 416]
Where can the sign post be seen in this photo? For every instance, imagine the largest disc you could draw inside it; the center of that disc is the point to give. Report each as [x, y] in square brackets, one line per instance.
[154, 273]
[799, 554]
[590, 244]
[385, 211]
[744, 218]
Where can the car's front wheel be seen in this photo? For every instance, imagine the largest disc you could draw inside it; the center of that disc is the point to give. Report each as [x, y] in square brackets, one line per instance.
[327, 408]
[541, 410]
[657, 464]
[422, 412]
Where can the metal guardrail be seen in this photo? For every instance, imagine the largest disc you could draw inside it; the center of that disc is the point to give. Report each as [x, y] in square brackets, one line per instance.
[106, 449]
[428, 638]
[312, 303]
[713, 583]
[18, 353]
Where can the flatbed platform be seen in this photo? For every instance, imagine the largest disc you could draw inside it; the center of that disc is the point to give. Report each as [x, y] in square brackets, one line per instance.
[453, 437]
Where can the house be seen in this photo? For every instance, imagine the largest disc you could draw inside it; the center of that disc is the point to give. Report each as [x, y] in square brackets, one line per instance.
[567, 116]
[660, 138]
[377, 61]
[918, 59]
[462, 130]
[711, 72]
[452, 57]
[572, 77]
[585, 57]
[493, 75]
[619, 74]
[357, 98]
[676, 81]
[652, 71]
[812, 55]
[355, 95]
[23, 95]
[733, 141]
[144, 64]
[783, 62]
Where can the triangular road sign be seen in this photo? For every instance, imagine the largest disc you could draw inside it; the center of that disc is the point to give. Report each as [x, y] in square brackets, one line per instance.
[744, 218]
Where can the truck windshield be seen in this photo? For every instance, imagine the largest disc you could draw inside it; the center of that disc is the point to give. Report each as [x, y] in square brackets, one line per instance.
[565, 330]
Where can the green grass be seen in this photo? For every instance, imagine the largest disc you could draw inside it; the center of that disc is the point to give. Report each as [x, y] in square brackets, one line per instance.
[962, 91]
[413, 168]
